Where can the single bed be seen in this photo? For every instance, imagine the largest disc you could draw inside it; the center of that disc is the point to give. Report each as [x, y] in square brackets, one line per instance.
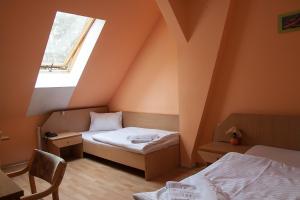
[149, 158]
[270, 170]
[237, 176]
[154, 161]
[128, 139]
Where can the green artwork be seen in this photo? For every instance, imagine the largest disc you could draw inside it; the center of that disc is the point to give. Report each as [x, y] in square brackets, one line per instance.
[289, 22]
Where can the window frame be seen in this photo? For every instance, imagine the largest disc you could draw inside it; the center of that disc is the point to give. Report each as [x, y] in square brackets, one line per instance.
[67, 65]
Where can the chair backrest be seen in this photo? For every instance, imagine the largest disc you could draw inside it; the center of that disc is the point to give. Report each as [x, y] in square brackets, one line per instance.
[46, 166]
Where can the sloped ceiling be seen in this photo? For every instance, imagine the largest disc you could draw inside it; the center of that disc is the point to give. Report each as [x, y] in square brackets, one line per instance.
[25, 26]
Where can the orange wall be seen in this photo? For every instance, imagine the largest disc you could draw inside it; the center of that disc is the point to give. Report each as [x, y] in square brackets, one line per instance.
[259, 69]
[22, 132]
[197, 59]
[252, 68]
[197, 54]
[151, 83]
[235, 61]
[25, 27]
[127, 27]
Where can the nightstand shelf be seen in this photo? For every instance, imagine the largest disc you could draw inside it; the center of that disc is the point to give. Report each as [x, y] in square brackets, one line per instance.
[66, 145]
[211, 152]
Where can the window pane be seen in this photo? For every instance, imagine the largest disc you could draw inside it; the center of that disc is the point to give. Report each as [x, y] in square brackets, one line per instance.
[65, 32]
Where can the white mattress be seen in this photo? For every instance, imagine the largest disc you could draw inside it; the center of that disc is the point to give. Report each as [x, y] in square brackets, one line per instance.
[88, 140]
[120, 136]
[241, 177]
[289, 157]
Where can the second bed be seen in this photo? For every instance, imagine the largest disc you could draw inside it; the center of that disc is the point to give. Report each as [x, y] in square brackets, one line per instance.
[123, 146]
[262, 173]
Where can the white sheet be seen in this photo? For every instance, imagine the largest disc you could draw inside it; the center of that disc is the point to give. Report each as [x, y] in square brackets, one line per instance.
[245, 177]
[119, 139]
[289, 157]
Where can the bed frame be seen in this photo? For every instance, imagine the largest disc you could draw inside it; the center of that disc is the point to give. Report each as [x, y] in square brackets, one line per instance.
[153, 164]
[272, 130]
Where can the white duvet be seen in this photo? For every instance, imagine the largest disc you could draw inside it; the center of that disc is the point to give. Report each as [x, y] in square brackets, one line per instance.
[238, 176]
[123, 138]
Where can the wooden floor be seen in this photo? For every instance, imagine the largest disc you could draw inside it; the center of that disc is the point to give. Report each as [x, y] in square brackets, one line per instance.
[92, 179]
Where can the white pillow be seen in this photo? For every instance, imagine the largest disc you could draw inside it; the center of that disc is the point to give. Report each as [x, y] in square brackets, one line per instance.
[105, 121]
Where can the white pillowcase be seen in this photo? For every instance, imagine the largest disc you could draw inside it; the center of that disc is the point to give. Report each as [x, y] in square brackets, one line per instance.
[105, 121]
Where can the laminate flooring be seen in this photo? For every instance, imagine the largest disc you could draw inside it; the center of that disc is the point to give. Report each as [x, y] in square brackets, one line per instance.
[96, 179]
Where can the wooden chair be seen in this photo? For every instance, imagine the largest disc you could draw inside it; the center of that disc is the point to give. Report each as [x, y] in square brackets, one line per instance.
[46, 166]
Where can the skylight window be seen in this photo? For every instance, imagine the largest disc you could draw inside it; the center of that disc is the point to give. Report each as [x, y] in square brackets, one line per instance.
[67, 33]
[71, 41]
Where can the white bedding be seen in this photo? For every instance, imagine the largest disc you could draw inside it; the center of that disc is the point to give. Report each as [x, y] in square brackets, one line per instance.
[119, 138]
[289, 157]
[243, 177]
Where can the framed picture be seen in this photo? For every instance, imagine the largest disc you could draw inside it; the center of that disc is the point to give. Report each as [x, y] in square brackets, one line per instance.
[289, 22]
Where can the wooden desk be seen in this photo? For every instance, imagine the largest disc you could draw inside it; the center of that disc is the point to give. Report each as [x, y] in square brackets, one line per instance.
[8, 189]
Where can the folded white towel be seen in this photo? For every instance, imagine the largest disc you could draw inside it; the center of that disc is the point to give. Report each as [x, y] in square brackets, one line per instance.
[203, 190]
[142, 138]
[178, 185]
[177, 190]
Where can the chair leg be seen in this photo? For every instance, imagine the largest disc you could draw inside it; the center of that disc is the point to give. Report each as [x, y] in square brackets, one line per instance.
[55, 195]
[32, 184]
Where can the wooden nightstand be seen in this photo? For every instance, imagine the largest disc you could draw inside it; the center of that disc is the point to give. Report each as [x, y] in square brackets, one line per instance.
[66, 145]
[211, 152]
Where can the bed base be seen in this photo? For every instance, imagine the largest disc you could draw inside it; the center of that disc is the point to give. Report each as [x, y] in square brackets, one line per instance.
[153, 164]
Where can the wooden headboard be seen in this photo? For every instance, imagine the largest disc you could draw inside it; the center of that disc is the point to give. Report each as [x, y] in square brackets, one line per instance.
[79, 120]
[271, 130]
[70, 120]
[150, 120]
